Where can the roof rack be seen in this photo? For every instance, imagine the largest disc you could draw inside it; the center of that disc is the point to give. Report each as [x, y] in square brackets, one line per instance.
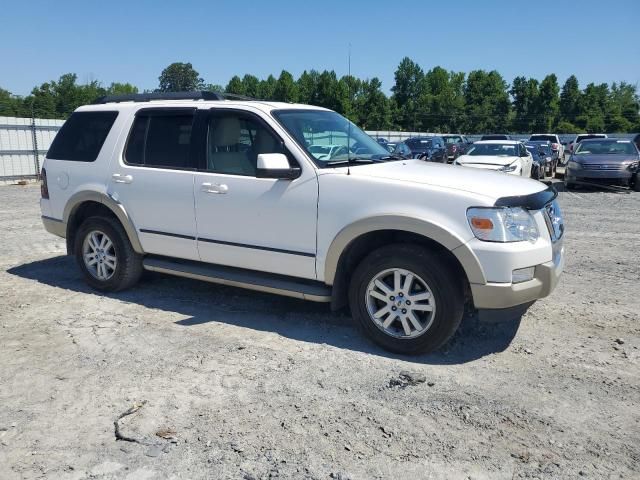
[147, 97]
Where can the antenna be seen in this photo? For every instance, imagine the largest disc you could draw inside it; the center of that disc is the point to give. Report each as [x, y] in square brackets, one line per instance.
[349, 125]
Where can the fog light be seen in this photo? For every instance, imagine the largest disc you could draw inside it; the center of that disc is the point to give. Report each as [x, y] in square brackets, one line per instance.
[522, 274]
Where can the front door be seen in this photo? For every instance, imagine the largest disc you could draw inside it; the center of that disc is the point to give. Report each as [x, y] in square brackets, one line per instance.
[154, 181]
[244, 221]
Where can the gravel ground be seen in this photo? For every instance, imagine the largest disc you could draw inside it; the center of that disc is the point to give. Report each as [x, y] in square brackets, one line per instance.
[217, 382]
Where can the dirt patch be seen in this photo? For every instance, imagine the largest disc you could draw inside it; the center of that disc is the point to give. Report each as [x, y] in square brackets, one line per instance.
[226, 383]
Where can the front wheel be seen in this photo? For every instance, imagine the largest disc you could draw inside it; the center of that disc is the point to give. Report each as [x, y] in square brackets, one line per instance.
[406, 299]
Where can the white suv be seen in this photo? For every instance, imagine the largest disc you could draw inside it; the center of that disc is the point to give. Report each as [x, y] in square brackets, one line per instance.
[230, 191]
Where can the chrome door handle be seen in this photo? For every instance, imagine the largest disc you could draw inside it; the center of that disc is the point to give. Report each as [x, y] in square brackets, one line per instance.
[122, 178]
[218, 188]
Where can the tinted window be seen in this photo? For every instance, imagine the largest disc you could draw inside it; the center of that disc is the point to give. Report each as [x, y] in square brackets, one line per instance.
[548, 138]
[606, 147]
[160, 140]
[234, 142]
[417, 143]
[453, 139]
[81, 137]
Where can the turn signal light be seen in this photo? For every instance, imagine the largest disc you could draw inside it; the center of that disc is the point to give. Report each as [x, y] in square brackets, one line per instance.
[482, 223]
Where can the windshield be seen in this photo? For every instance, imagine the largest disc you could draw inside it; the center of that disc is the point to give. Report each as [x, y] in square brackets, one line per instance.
[579, 138]
[548, 138]
[493, 149]
[454, 139]
[536, 149]
[605, 147]
[418, 143]
[329, 137]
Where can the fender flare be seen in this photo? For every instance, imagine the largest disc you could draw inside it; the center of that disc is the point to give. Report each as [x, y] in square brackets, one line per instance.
[457, 246]
[77, 199]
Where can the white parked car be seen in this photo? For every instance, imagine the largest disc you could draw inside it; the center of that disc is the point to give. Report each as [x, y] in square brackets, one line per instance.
[507, 156]
[327, 152]
[226, 191]
[584, 136]
[556, 145]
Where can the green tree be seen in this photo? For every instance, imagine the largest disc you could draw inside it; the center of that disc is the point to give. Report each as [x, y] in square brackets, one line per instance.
[487, 103]
[10, 105]
[235, 86]
[121, 89]
[371, 106]
[308, 87]
[406, 92]
[525, 97]
[267, 88]
[286, 89]
[180, 77]
[570, 100]
[250, 85]
[547, 104]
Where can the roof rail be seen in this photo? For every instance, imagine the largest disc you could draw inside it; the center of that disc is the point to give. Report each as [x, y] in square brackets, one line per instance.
[147, 97]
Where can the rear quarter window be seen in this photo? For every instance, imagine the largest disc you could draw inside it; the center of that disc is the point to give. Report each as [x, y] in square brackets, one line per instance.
[81, 137]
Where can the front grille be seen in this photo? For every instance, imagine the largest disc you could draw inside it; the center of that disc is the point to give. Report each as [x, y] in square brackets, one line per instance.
[554, 221]
[604, 167]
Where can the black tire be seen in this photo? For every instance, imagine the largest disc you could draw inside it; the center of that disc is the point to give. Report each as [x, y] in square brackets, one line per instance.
[129, 263]
[636, 183]
[446, 287]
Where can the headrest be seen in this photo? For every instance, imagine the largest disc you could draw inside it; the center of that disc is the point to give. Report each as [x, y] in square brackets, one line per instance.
[226, 131]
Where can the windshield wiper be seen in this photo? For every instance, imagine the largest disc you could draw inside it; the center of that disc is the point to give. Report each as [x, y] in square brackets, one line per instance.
[391, 157]
[350, 161]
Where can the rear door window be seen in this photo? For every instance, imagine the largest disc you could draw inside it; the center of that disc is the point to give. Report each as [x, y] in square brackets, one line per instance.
[161, 139]
[81, 137]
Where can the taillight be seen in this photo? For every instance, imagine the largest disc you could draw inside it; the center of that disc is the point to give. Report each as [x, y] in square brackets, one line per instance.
[454, 148]
[44, 189]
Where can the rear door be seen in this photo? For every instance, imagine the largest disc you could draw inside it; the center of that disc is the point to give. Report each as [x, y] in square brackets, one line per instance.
[153, 179]
[261, 224]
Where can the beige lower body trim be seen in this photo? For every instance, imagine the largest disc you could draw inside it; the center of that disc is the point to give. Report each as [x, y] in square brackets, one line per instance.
[57, 227]
[505, 295]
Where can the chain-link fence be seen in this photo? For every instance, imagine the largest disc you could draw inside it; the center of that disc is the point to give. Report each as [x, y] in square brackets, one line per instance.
[23, 144]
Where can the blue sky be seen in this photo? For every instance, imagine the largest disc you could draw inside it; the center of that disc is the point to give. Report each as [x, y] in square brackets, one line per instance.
[133, 41]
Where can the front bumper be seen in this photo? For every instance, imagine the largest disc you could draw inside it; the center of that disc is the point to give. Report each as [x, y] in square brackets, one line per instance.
[506, 295]
[577, 174]
[55, 226]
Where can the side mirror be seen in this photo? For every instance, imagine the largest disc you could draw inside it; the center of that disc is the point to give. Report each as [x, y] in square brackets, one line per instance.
[275, 165]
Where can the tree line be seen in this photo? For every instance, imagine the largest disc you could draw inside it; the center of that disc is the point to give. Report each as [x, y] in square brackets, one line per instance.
[437, 100]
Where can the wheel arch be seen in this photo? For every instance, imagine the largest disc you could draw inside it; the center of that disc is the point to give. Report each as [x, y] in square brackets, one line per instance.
[355, 241]
[89, 203]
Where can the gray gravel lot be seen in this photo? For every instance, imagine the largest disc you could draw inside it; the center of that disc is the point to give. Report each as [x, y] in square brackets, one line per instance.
[225, 383]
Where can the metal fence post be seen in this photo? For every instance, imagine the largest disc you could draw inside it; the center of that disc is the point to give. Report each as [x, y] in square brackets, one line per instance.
[36, 158]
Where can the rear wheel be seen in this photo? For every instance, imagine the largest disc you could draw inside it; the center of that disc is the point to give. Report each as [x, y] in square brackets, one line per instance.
[636, 183]
[105, 255]
[406, 299]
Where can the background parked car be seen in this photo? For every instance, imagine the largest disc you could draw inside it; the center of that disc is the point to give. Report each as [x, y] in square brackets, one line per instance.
[544, 160]
[431, 149]
[506, 156]
[382, 141]
[604, 160]
[391, 146]
[556, 145]
[456, 145]
[496, 136]
[401, 150]
[636, 140]
[585, 136]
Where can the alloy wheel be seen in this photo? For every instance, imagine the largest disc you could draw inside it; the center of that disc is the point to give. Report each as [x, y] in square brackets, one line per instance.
[400, 303]
[99, 255]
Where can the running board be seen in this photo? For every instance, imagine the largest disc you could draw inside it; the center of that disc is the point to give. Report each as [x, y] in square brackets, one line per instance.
[238, 277]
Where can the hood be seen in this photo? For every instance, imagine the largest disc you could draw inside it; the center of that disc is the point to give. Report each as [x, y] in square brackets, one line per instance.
[486, 160]
[603, 159]
[481, 182]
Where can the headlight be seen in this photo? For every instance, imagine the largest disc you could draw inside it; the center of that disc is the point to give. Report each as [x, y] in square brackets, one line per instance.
[509, 168]
[510, 224]
[633, 166]
[574, 165]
